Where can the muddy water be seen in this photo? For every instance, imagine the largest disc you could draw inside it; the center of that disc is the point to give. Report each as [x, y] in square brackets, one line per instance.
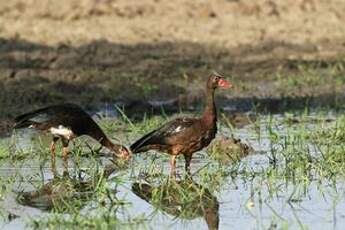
[238, 203]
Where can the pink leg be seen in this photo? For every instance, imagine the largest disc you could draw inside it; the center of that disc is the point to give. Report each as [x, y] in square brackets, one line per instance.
[65, 155]
[53, 155]
[187, 159]
[173, 165]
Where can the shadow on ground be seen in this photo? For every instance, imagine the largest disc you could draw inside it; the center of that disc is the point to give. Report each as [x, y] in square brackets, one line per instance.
[267, 76]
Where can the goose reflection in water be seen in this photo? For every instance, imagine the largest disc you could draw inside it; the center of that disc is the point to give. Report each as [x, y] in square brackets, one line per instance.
[183, 199]
[64, 192]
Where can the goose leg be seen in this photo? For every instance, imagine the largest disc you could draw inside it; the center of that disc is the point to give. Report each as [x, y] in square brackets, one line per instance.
[65, 143]
[187, 159]
[52, 151]
[173, 165]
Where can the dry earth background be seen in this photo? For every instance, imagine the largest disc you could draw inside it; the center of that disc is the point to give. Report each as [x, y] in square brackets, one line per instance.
[101, 51]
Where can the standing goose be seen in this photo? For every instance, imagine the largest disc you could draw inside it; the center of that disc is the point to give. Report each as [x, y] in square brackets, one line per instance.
[185, 135]
[65, 122]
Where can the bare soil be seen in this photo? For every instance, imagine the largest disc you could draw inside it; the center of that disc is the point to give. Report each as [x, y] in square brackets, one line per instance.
[281, 53]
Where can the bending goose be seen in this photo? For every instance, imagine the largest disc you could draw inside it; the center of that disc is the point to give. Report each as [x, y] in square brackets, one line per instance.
[65, 122]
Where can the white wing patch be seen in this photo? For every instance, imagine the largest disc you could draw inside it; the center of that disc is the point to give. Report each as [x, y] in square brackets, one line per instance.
[178, 129]
[62, 131]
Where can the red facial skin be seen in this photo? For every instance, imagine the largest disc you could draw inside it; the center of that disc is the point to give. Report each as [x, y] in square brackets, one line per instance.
[224, 84]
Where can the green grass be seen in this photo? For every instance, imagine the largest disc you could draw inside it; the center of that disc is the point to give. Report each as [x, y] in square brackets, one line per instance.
[313, 75]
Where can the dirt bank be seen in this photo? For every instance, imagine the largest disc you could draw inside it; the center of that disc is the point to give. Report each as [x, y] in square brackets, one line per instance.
[93, 52]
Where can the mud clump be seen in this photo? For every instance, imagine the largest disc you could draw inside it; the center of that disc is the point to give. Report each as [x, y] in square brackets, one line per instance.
[228, 149]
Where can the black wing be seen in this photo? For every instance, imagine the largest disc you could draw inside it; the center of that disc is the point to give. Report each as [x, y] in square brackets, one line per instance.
[27, 119]
[159, 135]
[68, 115]
[63, 114]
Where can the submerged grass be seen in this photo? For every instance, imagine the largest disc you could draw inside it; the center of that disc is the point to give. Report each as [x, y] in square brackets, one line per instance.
[306, 151]
[104, 219]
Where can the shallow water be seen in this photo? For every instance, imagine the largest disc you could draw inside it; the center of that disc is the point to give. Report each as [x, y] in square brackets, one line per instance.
[238, 203]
